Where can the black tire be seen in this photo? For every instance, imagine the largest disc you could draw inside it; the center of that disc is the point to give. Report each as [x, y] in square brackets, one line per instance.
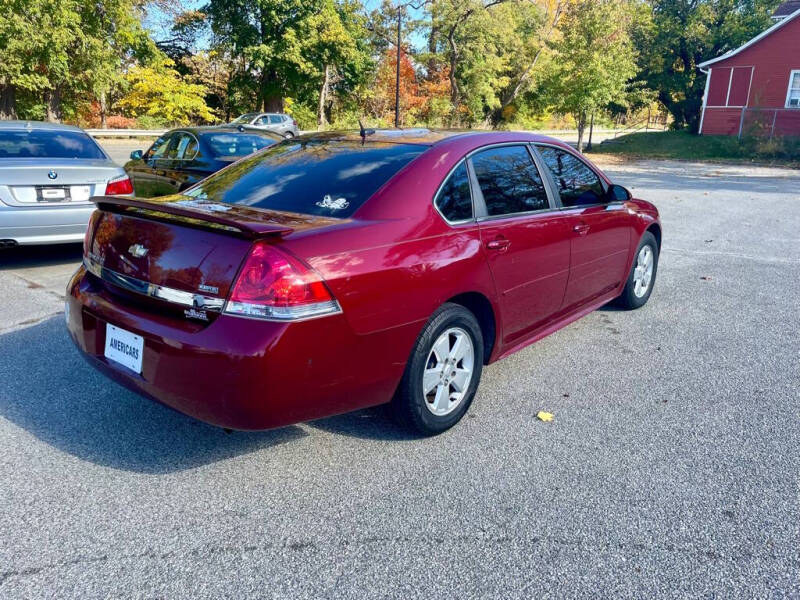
[410, 405]
[288, 135]
[629, 300]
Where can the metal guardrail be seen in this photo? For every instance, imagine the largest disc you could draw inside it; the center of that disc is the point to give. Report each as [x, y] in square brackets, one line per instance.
[124, 133]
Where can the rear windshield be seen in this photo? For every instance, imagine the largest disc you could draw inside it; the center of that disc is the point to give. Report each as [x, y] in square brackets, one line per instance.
[48, 144]
[236, 144]
[331, 178]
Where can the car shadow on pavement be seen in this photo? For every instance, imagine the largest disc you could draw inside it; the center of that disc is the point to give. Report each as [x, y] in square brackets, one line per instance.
[20, 257]
[370, 424]
[47, 389]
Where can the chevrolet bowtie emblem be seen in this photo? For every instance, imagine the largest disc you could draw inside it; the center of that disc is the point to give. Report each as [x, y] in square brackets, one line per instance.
[137, 251]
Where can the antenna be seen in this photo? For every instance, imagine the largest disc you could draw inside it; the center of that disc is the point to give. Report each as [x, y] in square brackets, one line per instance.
[364, 132]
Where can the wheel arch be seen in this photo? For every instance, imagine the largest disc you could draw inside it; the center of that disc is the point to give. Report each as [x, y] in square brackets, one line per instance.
[655, 229]
[480, 306]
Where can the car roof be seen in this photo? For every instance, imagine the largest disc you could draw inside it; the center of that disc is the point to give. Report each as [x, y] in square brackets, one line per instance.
[38, 125]
[433, 137]
[226, 129]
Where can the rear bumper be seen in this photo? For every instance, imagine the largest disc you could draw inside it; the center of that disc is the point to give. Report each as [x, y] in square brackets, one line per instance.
[45, 225]
[242, 373]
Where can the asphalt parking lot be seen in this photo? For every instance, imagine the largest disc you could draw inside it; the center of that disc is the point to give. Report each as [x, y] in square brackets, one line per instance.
[671, 467]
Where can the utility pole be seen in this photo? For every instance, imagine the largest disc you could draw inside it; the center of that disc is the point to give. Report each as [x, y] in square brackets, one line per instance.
[397, 72]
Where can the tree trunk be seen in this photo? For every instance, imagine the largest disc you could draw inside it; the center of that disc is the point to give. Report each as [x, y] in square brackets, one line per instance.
[591, 131]
[322, 122]
[8, 102]
[103, 110]
[271, 99]
[581, 123]
[52, 100]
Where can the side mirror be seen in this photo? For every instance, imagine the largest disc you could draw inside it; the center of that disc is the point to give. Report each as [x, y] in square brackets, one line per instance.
[136, 155]
[617, 193]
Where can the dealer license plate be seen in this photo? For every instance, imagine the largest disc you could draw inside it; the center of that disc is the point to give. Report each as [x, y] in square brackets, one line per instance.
[124, 347]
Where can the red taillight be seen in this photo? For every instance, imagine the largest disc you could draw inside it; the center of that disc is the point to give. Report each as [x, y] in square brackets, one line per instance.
[294, 122]
[274, 285]
[119, 186]
[87, 237]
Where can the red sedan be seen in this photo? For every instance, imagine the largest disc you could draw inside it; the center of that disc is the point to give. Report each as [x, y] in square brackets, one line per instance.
[333, 272]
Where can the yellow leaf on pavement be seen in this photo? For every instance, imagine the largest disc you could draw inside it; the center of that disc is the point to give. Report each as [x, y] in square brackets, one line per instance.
[544, 416]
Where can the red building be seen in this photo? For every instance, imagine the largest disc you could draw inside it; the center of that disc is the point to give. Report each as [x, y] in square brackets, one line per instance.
[755, 89]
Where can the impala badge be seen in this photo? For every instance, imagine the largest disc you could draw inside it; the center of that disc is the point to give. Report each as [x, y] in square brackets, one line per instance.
[208, 288]
[137, 251]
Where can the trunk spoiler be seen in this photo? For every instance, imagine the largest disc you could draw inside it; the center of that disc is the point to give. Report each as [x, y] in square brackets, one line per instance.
[232, 218]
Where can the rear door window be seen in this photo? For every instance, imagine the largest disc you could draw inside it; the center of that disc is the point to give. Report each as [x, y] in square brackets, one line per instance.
[317, 177]
[186, 147]
[56, 143]
[509, 181]
[454, 199]
[578, 185]
[275, 119]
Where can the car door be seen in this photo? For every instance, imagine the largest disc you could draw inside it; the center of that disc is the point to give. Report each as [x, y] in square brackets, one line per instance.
[178, 171]
[277, 124]
[262, 122]
[147, 173]
[600, 226]
[524, 235]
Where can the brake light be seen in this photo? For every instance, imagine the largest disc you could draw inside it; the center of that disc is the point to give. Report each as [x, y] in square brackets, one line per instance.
[276, 286]
[294, 122]
[119, 186]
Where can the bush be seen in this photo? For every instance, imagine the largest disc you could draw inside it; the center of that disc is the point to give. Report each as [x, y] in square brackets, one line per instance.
[149, 122]
[306, 117]
[120, 122]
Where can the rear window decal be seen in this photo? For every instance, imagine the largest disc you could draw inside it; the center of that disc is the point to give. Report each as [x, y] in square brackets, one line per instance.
[331, 204]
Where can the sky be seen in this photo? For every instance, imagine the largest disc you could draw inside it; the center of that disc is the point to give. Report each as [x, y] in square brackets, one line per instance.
[157, 21]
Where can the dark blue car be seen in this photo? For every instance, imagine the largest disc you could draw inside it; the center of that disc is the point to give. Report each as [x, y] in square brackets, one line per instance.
[182, 157]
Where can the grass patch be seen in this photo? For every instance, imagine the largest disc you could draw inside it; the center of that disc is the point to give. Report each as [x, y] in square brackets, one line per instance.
[682, 145]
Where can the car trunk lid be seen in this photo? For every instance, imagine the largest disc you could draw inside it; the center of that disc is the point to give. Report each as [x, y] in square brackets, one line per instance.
[177, 253]
[36, 182]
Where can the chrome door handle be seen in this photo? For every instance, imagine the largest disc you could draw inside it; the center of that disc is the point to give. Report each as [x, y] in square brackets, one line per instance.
[498, 244]
[581, 229]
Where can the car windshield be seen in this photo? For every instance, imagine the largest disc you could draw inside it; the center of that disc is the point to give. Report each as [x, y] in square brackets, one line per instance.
[245, 118]
[48, 144]
[236, 144]
[316, 177]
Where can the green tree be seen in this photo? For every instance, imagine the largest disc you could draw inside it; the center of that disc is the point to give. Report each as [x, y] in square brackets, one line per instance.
[334, 49]
[266, 35]
[594, 61]
[680, 34]
[57, 51]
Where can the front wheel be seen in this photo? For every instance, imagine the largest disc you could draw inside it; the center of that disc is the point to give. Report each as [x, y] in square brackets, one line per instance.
[442, 375]
[643, 274]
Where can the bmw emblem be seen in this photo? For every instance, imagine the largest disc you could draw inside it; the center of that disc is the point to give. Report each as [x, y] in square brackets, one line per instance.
[52, 174]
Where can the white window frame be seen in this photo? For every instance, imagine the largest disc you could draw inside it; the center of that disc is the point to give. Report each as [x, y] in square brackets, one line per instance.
[792, 74]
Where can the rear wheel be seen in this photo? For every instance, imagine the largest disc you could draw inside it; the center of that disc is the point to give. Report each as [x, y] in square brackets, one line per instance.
[288, 135]
[442, 375]
[643, 274]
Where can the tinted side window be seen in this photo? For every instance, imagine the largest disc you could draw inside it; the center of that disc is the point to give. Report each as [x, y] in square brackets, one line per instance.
[454, 200]
[577, 183]
[509, 180]
[275, 119]
[186, 147]
[159, 147]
